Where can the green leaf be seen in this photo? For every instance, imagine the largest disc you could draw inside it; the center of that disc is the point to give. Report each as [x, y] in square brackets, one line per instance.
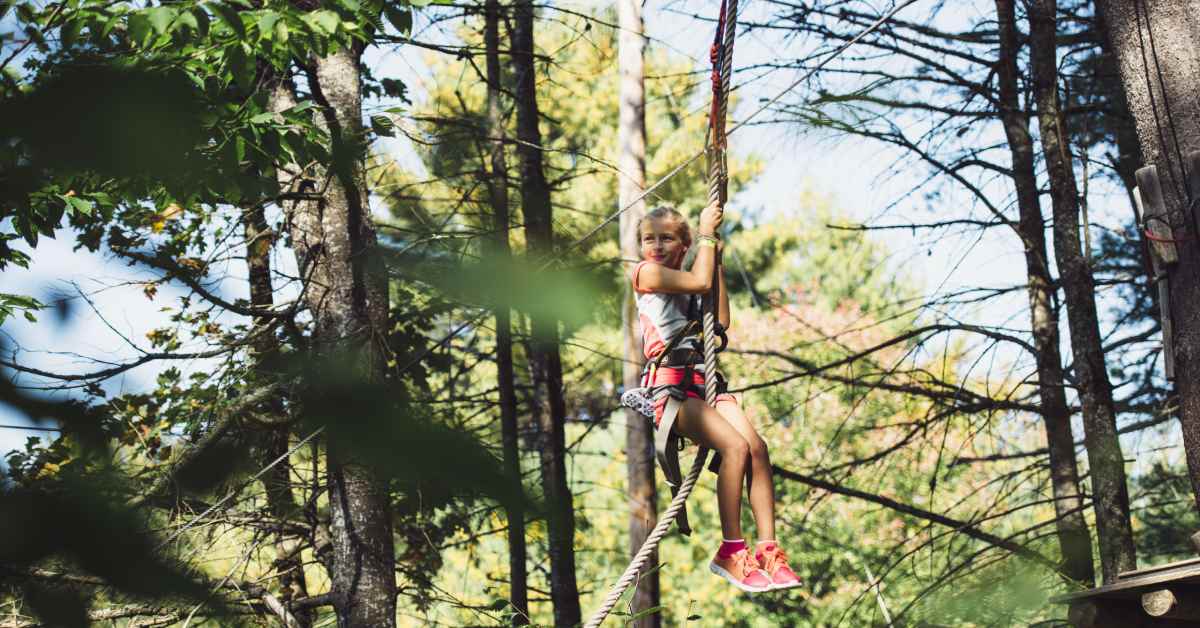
[646, 612]
[80, 205]
[161, 18]
[324, 21]
[420, 3]
[383, 125]
[139, 28]
[266, 23]
[281, 31]
[241, 66]
[202, 21]
[69, 33]
[400, 17]
[231, 17]
[260, 118]
[10, 303]
[395, 89]
[188, 19]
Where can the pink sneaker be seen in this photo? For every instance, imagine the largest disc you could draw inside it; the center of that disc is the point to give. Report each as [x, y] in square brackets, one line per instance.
[742, 571]
[774, 563]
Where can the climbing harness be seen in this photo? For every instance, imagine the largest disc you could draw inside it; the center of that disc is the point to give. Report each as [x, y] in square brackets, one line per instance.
[681, 353]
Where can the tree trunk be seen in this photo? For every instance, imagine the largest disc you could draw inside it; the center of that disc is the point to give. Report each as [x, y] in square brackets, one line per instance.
[346, 291]
[1073, 538]
[1110, 494]
[1129, 155]
[498, 190]
[549, 405]
[274, 441]
[1157, 45]
[639, 436]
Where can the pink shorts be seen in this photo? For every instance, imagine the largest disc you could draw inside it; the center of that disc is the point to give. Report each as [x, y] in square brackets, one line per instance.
[669, 377]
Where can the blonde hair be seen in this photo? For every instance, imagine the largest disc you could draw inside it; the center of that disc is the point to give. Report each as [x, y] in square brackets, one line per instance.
[668, 212]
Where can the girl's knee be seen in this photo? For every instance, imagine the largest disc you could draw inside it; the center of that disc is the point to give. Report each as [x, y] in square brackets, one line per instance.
[758, 450]
[736, 450]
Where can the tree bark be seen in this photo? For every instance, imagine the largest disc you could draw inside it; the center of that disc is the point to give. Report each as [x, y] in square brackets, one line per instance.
[1111, 496]
[1157, 46]
[346, 291]
[1073, 538]
[498, 192]
[549, 405]
[273, 441]
[639, 436]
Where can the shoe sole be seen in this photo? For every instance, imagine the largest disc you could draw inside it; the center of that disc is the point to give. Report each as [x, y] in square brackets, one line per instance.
[720, 571]
[780, 587]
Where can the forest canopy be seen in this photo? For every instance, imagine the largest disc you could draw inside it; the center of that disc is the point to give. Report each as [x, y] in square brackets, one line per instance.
[320, 313]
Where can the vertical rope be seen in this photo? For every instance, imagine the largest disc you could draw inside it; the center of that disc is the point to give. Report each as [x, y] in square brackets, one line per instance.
[717, 191]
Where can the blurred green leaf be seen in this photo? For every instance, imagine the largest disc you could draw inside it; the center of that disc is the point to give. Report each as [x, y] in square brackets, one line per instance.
[80, 205]
[281, 31]
[400, 17]
[549, 293]
[139, 28]
[160, 18]
[373, 423]
[231, 17]
[383, 125]
[324, 21]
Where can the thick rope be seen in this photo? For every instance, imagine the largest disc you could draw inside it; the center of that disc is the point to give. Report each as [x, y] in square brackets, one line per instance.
[717, 179]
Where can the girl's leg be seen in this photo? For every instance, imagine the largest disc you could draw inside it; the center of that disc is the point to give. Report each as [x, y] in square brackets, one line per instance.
[706, 426]
[758, 477]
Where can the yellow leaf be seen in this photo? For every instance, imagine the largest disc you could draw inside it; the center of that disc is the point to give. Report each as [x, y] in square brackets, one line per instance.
[172, 211]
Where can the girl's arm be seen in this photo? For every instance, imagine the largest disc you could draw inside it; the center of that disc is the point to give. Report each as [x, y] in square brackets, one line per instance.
[698, 280]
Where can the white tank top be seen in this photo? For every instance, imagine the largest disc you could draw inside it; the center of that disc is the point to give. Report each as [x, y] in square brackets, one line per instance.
[661, 315]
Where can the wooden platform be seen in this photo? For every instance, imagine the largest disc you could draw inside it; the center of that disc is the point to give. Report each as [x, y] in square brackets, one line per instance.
[1166, 596]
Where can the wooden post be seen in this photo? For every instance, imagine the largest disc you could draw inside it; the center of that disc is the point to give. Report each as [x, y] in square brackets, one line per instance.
[1155, 219]
[1160, 278]
[1174, 603]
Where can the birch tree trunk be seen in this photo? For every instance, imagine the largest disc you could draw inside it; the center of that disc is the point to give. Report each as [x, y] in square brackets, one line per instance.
[639, 437]
[1157, 46]
[549, 405]
[1110, 494]
[1073, 538]
[498, 192]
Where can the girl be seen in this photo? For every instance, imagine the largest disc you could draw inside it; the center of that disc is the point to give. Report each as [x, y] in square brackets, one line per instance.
[664, 293]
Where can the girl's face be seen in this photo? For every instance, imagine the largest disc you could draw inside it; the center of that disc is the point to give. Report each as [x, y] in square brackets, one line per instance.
[662, 242]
